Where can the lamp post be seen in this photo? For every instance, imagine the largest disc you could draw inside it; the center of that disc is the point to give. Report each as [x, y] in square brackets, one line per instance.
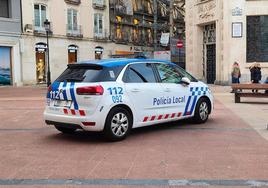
[47, 27]
[180, 46]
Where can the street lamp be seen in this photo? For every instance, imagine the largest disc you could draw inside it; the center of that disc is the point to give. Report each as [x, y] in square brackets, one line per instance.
[47, 28]
[180, 46]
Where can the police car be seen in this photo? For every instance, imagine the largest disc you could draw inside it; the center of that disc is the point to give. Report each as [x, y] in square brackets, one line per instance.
[116, 95]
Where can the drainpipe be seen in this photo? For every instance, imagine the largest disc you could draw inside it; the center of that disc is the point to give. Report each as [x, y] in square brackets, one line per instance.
[155, 24]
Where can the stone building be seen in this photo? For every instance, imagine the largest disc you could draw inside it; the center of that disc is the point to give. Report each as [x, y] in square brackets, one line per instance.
[10, 30]
[220, 32]
[80, 30]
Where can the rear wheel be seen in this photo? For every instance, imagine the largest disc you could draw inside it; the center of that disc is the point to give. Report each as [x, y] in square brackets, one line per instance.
[118, 124]
[201, 111]
[65, 130]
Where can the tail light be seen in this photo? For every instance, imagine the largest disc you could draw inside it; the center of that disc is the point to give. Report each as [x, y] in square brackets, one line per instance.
[49, 88]
[90, 90]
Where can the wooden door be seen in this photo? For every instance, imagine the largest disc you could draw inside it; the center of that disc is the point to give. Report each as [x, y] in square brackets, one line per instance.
[72, 57]
[40, 67]
[211, 63]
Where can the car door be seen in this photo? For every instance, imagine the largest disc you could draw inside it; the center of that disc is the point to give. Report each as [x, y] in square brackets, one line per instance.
[174, 91]
[142, 89]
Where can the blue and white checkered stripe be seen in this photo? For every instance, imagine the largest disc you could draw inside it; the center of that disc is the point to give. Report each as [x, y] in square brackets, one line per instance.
[192, 99]
[197, 91]
[68, 92]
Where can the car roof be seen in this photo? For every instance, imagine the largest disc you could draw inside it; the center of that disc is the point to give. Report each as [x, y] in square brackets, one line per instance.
[120, 62]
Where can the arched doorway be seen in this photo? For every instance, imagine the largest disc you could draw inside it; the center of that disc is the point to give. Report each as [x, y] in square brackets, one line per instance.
[72, 54]
[40, 54]
[98, 52]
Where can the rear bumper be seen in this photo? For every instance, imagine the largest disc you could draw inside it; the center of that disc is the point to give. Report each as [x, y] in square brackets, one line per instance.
[73, 121]
[65, 125]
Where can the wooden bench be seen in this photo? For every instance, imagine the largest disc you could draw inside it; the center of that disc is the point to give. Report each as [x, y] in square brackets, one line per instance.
[245, 90]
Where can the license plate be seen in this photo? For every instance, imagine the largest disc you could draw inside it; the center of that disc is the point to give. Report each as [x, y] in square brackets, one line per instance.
[60, 103]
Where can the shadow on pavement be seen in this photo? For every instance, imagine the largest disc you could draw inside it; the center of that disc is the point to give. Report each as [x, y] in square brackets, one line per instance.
[96, 137]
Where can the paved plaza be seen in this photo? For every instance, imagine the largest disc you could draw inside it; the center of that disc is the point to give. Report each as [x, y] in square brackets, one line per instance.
[230, 150]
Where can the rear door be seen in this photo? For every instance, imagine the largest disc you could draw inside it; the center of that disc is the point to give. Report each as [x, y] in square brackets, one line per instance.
[143, 90]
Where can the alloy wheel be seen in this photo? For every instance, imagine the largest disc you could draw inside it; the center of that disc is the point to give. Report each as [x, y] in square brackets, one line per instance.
[119, 124]
[203, 111]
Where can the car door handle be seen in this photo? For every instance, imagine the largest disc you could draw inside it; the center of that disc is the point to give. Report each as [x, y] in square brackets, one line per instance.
[167, 90]
[135, 90]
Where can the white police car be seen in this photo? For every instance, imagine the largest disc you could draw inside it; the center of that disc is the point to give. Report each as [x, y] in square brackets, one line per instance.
[116, 95]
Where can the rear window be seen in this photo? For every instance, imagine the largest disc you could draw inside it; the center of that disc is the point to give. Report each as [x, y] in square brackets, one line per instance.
[89, 74]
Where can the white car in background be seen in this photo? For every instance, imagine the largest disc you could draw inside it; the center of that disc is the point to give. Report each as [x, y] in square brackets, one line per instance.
[116, 95]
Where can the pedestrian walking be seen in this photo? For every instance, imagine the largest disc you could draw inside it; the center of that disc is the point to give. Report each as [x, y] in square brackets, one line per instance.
[255, 73]
[236, 74]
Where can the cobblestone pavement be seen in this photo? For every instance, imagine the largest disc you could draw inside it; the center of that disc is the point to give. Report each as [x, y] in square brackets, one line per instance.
[227, 151]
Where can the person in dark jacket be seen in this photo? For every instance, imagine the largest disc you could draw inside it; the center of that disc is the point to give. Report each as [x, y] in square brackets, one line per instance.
[255, 72]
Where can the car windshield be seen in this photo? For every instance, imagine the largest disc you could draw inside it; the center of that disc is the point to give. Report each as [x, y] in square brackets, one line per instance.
[89, 74]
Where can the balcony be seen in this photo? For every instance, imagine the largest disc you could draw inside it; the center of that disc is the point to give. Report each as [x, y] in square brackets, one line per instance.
[74, 31]
[99, 4]
[73, 2]
[101, 37]
[38, 30]
[124, 39]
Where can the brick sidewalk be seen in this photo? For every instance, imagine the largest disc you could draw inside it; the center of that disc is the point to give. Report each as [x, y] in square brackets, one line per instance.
[225, 149]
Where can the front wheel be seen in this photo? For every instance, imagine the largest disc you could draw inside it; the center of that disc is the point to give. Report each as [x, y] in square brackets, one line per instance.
[201, 111]
[65, 130]
[118, 124]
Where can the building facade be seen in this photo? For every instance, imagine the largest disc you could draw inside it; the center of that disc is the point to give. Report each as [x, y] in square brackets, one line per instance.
[10, 30]
[80, 30]
[221, 32]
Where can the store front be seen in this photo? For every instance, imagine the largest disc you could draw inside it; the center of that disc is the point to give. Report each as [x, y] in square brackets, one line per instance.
[72, 54]
[40, 54]
[5, 66]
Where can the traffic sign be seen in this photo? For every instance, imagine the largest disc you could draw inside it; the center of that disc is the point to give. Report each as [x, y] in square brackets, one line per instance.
[179, 44]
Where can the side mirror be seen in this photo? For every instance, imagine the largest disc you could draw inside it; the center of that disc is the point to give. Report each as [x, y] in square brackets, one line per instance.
[185, 81]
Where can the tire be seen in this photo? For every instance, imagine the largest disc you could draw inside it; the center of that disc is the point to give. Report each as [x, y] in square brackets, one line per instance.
[65, 130]
[201, 113]
[118, 124]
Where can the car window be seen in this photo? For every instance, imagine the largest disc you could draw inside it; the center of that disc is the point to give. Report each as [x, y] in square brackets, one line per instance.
[183, 73]
[139, 73]
[168, 74]
[89, 74]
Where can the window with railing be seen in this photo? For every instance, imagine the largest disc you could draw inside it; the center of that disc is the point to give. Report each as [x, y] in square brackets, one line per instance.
[137, 5]
[98, 25]
[72, 20]
[4, 9]
[40, 16]
[136, 31]
[99, 3]
[148, 7]
[74, 2]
